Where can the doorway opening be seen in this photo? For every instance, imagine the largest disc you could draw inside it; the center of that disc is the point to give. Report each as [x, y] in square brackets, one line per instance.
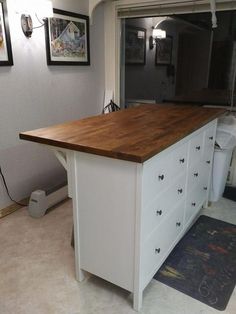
[191, 63]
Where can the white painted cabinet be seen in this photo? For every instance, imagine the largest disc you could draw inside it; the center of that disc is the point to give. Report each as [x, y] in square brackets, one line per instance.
[128, 216]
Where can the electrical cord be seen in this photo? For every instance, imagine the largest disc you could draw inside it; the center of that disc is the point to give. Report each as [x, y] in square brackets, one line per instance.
[7, 190]
[111, 107]
[42, 23]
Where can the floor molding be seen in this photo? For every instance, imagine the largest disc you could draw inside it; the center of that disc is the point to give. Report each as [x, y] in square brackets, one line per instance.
[12, 208]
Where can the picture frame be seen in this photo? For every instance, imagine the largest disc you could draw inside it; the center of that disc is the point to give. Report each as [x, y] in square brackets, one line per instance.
[135, 45]
[164, 51]
[6, 58]
[67, 38]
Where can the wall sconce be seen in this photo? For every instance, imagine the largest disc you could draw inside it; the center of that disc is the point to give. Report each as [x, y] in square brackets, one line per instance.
[157, 33]
[141, 34]
[40, 8]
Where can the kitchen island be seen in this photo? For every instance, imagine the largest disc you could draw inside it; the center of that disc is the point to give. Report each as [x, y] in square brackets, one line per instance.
[138, 178]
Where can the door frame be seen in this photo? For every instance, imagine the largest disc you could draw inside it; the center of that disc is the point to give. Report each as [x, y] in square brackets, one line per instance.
[115, 10]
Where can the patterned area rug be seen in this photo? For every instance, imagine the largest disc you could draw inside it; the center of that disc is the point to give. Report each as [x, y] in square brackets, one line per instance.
[203, 263]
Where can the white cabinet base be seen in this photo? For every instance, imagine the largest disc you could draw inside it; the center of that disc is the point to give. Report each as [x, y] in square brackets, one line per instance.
[125, 225]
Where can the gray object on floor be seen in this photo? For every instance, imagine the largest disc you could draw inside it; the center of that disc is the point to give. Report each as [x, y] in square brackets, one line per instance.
[41, 200]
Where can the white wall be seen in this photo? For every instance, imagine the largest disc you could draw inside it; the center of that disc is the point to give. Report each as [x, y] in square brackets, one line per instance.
[34, 95]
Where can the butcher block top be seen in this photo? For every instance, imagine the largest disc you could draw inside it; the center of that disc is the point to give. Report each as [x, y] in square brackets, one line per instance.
[134, 134]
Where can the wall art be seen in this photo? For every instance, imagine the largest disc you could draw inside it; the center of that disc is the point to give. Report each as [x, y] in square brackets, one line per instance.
[164, 51]
[67, 39]
[135, 45]
[5, 40]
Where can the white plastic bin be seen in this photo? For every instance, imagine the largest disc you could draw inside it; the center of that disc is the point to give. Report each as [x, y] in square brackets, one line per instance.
[221, 163]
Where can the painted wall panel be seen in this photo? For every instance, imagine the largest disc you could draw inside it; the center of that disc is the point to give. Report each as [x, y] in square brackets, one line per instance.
[35, 95]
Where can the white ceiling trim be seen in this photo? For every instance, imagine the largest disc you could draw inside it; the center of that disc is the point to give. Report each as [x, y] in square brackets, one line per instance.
[92, 5]
[136, 8]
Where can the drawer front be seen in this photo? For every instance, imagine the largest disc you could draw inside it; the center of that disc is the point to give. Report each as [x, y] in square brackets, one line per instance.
[194, 176]
[154, 214]
[179, 159]
[206, 171]
[209, 138]
[157, 246]
[196, 149]
[157, 174]
[206, 178]
[207, 159]
[194, 200]
[203, 191]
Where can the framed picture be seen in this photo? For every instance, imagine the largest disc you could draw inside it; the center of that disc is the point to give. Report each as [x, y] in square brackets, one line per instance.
[164, 51]
[135, 45]
[5, 40]
[67, 39]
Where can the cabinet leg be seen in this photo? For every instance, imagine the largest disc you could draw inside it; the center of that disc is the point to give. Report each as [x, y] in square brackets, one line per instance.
[207, 204]
[137, 300]
[72, 178]
[80, 274]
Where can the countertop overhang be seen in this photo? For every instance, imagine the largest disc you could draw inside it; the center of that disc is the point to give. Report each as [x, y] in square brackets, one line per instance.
[134, 134]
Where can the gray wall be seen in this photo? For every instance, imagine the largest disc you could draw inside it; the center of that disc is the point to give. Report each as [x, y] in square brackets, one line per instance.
[35, 95]
[150, 81]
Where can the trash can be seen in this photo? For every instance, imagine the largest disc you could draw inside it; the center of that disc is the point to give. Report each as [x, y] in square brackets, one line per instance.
[221, 163]
[225, 143]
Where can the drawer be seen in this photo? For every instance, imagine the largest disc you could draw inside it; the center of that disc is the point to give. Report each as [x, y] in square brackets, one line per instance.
[206, 171]
[193, 202]
[157, 174]
[194, 176]
[156, 248]
[207, 164]
[209, 140]
[196, 149]
[155, 213]
[208, 153]
[206, 179]
[179, 159]
[203, 191]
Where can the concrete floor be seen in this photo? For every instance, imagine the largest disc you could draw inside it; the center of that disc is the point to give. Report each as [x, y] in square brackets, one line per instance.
[37, 272]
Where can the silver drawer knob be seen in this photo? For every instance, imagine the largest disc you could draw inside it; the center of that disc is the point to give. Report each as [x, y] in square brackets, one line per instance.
[161, 177]
[208, 161]
[195, 174]
[193, 204]
[157, 251]
[180, 191]
[198, 147]
[211, 138]
[182, 160]
[159, 212]
[205, 188]
[178, 224]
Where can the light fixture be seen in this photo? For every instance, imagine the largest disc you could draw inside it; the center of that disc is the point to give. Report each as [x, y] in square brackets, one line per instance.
[40, 8]
[27, 25]
[141, 34]
[157, 33]
[213, 13]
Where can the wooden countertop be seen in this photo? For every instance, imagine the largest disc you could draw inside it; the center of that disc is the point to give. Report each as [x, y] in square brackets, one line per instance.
[134, 134]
